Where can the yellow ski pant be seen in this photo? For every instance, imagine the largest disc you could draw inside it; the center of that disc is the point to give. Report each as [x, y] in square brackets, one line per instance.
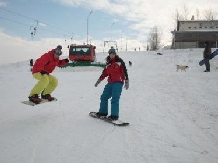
[48, 83]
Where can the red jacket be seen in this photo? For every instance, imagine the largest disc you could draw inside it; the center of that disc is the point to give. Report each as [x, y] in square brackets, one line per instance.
[47, 63]
[115, 71]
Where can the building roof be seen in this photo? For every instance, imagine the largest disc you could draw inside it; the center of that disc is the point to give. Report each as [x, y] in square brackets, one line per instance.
[198, 20]
[195, 31]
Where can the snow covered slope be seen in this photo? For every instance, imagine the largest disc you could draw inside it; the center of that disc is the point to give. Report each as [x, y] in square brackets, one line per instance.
[173, 115]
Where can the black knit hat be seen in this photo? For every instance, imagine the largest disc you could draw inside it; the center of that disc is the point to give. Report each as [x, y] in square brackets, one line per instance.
[112, 50]
[59, 47]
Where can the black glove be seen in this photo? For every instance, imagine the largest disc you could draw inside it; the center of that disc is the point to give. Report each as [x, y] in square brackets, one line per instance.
[98, 81]
[126, 85]
[66, 60]
[43, 72]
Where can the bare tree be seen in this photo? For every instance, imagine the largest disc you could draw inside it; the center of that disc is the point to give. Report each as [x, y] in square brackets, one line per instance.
[185, 13]
[176, 17]
[209, 14]
[197, 14]
[154, 38]
[181, 15]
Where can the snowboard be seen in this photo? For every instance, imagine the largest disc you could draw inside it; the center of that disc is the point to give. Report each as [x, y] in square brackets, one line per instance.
[215, 53]
[105, 119]
[33, 104]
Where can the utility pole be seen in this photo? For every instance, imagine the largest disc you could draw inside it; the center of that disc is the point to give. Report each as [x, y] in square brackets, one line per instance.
[88, 26]
[111, 30]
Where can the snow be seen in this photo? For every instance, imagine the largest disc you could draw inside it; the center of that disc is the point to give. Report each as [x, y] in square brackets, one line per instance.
[173, 115]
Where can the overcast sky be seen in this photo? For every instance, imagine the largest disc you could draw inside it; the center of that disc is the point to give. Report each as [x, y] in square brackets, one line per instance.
[128, 22]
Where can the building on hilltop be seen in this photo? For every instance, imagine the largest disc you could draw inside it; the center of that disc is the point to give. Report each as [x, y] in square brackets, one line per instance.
[194, 33]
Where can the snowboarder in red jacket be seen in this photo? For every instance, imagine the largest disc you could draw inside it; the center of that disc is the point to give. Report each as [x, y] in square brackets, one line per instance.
[42, 69]
[117, 75]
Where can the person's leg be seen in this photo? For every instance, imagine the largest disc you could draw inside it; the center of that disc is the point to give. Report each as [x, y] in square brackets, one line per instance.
[40, 85]
[116, 92]
[53, 82]
[104, 99]
[207, 64]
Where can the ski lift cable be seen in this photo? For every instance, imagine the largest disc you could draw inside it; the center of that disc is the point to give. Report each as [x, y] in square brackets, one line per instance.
[33, 19]
[14, 21]
[16, 13]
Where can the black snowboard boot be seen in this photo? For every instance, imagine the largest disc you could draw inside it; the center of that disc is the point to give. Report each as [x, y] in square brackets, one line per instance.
[98, 114]
[113, 118]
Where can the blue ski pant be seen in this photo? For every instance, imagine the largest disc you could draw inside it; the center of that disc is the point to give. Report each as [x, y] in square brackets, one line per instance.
[113, 91]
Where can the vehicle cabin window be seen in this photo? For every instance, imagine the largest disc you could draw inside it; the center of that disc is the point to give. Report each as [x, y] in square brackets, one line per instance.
[79, 51]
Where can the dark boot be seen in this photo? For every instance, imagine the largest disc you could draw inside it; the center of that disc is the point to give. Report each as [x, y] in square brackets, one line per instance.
[113, 118]
[98, 114]
[35, 99]
[47, 97]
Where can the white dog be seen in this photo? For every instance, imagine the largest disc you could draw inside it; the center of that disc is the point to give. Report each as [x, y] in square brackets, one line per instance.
[182, 68]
